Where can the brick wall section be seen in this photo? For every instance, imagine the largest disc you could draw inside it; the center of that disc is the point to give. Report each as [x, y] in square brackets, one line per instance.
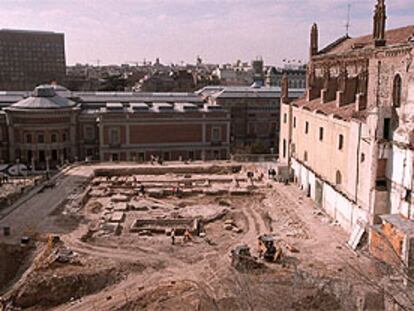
[386, 244]
[165, 133]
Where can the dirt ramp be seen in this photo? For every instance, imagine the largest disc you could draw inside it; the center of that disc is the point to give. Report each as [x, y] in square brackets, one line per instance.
[13, 260]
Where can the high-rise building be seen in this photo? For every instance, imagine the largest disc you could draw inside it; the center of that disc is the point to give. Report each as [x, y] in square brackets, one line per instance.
[30, 58]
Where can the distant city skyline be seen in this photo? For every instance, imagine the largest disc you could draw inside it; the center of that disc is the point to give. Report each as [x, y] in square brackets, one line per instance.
[220, 31]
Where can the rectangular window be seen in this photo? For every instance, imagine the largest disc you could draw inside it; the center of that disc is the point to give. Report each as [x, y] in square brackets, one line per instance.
[321, 133]
[166, 156]
[387, 129]
[89, 132]
[114, 138]
[284, 148]
[40, 139]
[340, 142]
[216, 155]
[285, 118]
[141, 156]
[191, 155]
[294, 122]
[407, 197]
[306, 127]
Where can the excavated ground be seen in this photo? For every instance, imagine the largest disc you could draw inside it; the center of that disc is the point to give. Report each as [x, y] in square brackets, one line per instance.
[13, 260]
[111, 267]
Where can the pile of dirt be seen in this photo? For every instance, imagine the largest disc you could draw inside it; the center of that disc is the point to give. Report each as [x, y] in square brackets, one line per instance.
[319, 300]
[242, 293]
[13, 261]
[56, 286]
[180, 295]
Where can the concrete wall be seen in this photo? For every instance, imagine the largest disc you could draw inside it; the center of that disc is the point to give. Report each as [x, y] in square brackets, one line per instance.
[400, 173]
[336, 204]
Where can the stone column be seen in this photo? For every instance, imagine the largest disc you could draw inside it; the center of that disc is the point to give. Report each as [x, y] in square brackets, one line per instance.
[73, 136]
[203, 151]
[33, 163]
[47, 163]
[12, 144]
[101, 138]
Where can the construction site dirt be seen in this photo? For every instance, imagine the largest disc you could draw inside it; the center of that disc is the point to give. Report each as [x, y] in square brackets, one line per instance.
[143, 237]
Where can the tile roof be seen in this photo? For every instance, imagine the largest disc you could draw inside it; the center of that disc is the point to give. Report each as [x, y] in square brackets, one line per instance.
[345, 44]
[346, 112]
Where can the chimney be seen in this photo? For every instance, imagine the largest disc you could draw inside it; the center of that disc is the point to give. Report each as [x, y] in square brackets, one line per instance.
[314, 40]
[379, 23]
[284, 92]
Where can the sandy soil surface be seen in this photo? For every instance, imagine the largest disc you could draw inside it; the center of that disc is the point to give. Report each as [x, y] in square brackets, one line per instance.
[127, 270]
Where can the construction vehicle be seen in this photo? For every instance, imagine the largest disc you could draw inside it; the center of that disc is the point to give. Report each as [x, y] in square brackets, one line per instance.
[242, 260]
[266, 248]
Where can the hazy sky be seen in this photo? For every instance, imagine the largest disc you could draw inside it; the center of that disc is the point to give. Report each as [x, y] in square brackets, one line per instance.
[179, 30]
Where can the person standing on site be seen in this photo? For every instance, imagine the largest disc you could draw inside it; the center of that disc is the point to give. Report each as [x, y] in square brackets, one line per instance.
[187, 236]
[172, 236]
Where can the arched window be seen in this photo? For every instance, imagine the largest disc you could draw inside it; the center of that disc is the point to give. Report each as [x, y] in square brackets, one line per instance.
[396, 92]
[40, 138]
[340, 142]
[338, 177]
[305, 156]
[53, 138]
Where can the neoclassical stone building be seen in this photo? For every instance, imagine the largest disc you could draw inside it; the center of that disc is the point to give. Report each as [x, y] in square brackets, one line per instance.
[39, 128]
[349, 142]
[53, 125]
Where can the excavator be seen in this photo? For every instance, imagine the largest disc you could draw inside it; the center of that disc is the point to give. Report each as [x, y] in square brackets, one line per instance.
[267, 249]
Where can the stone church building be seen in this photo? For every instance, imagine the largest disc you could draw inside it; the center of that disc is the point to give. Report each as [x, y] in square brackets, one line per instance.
[349, 143]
